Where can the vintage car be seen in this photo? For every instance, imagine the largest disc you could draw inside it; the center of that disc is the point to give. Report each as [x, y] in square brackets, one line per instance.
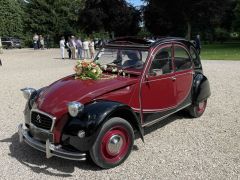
[142, 83]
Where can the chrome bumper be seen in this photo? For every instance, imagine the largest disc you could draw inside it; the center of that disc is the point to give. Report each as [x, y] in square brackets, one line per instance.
[49, 148]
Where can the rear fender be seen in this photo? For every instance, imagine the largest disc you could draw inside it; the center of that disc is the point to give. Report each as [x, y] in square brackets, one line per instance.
[201, 88]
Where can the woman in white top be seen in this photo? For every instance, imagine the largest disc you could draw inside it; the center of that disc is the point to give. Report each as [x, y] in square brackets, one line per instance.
[62, 47]
[86, 49]
[92, 49]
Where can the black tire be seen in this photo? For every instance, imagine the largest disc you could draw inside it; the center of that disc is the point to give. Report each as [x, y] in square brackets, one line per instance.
[118, 131]
[197, 110]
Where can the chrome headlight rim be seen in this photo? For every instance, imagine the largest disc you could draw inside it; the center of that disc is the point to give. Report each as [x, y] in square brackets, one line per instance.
[27, 92]
[75, 108]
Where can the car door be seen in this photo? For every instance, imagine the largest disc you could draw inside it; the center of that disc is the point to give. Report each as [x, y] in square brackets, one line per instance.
[183, 67]
[158, 90]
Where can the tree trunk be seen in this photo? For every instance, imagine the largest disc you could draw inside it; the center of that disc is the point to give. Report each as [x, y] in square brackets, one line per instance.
[189, 30]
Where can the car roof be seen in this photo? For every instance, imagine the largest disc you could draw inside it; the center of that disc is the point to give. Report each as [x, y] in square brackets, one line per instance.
[132, 42]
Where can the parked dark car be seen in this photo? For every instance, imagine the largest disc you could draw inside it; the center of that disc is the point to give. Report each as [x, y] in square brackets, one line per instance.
[73, 118]
[10, 42]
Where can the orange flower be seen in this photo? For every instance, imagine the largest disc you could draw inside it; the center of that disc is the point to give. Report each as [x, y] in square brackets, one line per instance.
[84, 64]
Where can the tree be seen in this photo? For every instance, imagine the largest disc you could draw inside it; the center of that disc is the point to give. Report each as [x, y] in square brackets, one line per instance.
[236, 23]
[56, 18]
[110, 15]
[167, 17]
[11, 23]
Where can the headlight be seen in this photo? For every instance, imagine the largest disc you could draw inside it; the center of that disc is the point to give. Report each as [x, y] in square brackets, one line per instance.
[27, 92]
[74, 108]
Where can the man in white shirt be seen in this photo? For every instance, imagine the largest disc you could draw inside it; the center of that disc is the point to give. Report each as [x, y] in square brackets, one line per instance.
[62, 47]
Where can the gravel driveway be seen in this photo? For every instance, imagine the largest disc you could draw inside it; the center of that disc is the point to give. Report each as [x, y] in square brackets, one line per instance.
[177, 148]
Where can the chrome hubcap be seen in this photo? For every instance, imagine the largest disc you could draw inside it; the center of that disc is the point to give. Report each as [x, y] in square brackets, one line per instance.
[115, 144]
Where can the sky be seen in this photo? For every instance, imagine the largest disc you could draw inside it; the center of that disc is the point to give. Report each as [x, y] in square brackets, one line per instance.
[135, 2]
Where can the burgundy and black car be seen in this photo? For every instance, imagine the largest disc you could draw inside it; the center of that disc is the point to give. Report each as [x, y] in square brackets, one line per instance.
[98, 111]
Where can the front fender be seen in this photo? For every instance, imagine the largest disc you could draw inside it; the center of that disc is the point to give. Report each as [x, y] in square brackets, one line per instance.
[93, 117]
[201, 88]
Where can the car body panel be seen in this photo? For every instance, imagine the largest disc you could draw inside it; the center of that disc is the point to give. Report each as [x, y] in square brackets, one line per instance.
[54, 98]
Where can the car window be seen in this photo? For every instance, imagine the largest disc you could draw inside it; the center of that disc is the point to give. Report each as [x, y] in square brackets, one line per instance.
[195, 57]
[123, 58]
[181, 59]
[162, 62]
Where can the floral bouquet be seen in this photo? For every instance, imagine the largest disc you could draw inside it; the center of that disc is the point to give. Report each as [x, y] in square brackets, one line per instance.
[87, 70]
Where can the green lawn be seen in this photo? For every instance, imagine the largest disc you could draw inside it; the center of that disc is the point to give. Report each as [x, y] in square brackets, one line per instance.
[226, 51]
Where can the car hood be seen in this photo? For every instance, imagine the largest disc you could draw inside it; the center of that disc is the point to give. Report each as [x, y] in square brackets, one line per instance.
[54, 98]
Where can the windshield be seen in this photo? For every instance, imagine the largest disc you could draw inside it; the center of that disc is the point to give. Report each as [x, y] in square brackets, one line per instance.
[122, 58]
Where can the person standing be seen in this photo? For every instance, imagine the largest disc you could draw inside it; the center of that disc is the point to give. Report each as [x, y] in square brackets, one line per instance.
[73, 47]
[41, 42]
[1, 48]
[92, 49]
[35, 41]
[79, 48]
[68, 44]
[198, 44]
[86, 48]
[62, 47]
[48, 41]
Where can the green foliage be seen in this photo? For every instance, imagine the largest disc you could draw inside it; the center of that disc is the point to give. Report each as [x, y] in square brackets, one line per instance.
[144, 33]
[110, 15]
[180, 17]
[221, 34]
[56, 18]
[101, 35]
[11, 23]
[236, 23]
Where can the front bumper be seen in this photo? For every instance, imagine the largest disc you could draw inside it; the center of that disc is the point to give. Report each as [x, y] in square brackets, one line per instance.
[49, 148]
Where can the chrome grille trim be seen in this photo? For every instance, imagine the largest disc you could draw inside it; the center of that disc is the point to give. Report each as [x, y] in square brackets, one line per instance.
[45, 114]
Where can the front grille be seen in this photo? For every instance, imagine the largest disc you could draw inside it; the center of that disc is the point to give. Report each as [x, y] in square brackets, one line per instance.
[41, 120]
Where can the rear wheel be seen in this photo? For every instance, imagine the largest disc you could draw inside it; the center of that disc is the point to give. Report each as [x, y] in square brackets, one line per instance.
[113, 144]
[197, 110]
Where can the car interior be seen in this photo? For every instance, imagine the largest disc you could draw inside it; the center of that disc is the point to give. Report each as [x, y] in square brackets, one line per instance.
[162, 64]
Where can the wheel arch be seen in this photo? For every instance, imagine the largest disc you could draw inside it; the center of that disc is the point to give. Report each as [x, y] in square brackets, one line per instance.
[110, 109]
[92, 119]
[201, 88]
[127, 114]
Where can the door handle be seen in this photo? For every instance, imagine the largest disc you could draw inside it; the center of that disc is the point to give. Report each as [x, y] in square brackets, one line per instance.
[173, 78]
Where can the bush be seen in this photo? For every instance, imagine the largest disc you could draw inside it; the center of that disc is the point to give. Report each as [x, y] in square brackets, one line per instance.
[221, 35]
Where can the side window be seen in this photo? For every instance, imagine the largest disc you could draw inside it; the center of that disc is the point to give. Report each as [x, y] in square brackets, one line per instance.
[181, 59]
[195, 57]
[162, 62]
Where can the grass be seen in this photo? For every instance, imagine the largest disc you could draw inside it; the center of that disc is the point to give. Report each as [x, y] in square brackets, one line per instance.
[225, 51]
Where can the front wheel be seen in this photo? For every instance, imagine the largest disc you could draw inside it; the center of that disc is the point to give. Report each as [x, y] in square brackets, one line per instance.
[197, 110]
[113, 144]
